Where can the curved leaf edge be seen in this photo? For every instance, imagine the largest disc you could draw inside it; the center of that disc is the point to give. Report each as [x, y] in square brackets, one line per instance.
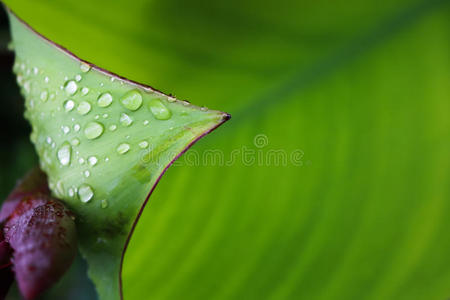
[64, 50]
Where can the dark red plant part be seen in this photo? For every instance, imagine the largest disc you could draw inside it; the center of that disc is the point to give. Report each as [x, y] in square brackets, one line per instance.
[41, 232]
[6, 274]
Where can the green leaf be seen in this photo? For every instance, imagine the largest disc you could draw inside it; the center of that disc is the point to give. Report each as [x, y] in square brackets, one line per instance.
[360, 87]
[104, 142]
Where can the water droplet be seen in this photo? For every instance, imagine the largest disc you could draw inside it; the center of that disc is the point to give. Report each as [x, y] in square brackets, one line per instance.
[93, 130]
[35, 71]
[84, 108]
[146, 122]
[92, 160]
[64, 154]
[125, 120]
[44, 96]
[158, 110]
[123, 148]
[112, 127]
[85, 193]
[27, 86]
[132, 100]
[84, 67]
[81, 161]
[104, 203]
[171, 99]
[104, 100]
[87, 173]
[97, 117]
[106, 159]
[84, 91]
[78, 77]
[76, 127]
[59, 191]
[49, 140]
[105, 116]
[71, 192]
[203, 108]
[65, 129]
[143, 144]
[75, 142]
[46, 79]
[70, 87]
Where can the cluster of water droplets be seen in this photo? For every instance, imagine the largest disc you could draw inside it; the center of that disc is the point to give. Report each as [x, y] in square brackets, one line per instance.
[74, 100]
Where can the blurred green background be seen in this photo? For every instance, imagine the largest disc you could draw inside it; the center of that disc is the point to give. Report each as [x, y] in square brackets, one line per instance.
[331, 181]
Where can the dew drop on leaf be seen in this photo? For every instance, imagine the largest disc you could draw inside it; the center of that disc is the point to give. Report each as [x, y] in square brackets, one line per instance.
[75, 142]
[69, 105]
[159, 110]
[44, 96]
[104, 100]
[143, 144]
[84, 108]
[64, 154]
[92, 160]
[93, 130]
[123, 148]
[71, 87]
[84, 67]
[104, 203]
[132, 100]
[85, 193]
[125, 120]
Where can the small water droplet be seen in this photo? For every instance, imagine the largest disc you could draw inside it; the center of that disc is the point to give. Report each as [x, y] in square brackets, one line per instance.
[93, 130]
[76, 127]
[64, 154]
[46, 79]
[81, 161]
[112, 127]
[71, 87]
[75, 142]
[104, 100]
[92, 160]
[65, 129]
[87, 173]
[146, 122]
[143, 144]
[171, 99]
[125, 120]
[112, 79]
[84, 91]
[97, 117]
[84, 108]
[104, 203]
[49, 140]
[123, 148]
[71, 192]
[84, 67]
[159, 110]
[85, 193]
[44, 96]
[132, 100]
[27, 86]
[35, 71]
[105, 116]
[78, 77]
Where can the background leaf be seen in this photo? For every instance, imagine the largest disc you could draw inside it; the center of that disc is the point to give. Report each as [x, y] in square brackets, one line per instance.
[359, 90]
